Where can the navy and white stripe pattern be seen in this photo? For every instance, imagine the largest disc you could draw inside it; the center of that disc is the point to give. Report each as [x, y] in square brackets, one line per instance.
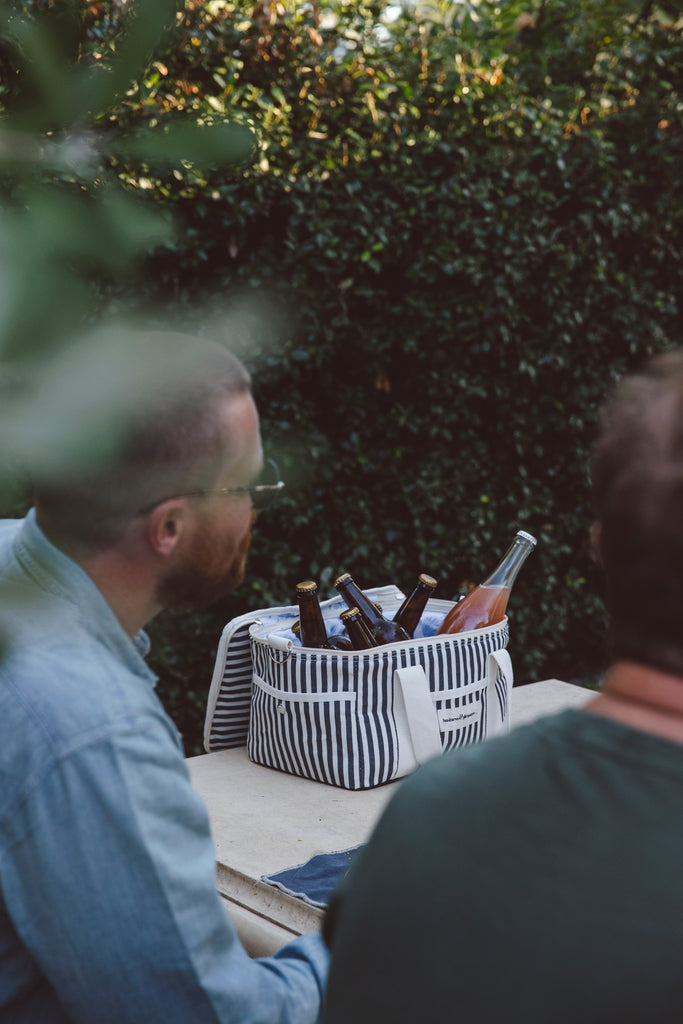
[324, 717]
[503, 694]
[330, 717]
[228, 707]
[230, 719]
[454, 663]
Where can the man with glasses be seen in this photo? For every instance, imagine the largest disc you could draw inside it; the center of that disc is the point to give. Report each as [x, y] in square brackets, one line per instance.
[108, 907]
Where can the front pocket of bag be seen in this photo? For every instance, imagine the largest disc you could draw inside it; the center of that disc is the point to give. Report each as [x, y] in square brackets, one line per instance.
[336, 723]
[313, 735]
[462, 714]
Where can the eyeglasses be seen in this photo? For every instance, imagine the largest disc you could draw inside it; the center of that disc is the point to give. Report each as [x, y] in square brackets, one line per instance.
[262, 494]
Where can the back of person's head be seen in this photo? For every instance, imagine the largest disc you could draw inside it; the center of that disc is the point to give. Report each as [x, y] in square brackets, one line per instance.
[162, 438]
[637, 479]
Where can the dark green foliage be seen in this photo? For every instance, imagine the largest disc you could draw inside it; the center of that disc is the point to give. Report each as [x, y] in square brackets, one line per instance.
[464, 260]
[449, 241]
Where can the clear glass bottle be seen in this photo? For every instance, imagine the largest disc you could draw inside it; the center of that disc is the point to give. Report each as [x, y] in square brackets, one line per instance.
[487, 603]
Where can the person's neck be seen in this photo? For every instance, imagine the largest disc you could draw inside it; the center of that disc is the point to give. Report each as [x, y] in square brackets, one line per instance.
[124, 574]
[126, 587]
[644, 698]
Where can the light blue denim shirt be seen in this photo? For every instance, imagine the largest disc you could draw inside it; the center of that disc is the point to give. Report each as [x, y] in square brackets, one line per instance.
[108, 906]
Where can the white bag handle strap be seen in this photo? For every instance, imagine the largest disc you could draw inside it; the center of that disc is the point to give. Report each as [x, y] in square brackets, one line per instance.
[411, 686]
[501, 678]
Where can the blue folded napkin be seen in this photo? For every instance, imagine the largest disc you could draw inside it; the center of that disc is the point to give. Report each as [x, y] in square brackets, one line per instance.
[315, 880]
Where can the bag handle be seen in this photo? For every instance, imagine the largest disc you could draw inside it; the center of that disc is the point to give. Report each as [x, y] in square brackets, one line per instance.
[419, 736]
[417, 723]
[501, 678]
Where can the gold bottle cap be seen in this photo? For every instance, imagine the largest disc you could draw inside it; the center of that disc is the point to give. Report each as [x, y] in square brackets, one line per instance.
[428, 581]
[306, 586]
[340, 579]
[349, 613]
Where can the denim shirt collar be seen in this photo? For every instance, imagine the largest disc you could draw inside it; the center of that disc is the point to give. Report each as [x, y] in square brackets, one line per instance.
[60, 576]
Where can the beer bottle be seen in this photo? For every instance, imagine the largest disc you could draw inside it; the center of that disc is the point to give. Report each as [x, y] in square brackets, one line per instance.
[312, 624]
[486, 604]
[360, 636]
[410, 612]
[340, 642]
[384, 631]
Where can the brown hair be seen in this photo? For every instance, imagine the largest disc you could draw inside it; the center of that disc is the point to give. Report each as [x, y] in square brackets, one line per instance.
[637, 482]
[165, 440]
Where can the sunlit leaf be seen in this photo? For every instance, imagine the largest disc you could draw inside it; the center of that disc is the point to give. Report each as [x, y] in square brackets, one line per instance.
[146, 22]
[64, 91]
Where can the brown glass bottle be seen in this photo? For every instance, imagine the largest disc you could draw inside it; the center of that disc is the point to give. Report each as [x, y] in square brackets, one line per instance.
[312, 624]
[340, 642]
[384, 631]
[410, 612]
[486, 604]
[359, 634]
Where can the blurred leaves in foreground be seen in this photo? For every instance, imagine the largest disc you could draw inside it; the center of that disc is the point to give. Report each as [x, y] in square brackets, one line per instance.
[69, 225]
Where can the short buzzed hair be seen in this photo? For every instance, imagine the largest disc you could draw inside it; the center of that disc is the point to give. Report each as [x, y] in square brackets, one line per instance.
[167, 441]
[637, 482]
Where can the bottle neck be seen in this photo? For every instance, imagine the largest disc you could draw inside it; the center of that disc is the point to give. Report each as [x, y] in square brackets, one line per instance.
[354, 595]
[505, 574]
[361, 637]
[410, 612]
[311, 620]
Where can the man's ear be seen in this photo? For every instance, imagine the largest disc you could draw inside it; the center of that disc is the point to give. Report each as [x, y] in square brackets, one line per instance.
[165, 524]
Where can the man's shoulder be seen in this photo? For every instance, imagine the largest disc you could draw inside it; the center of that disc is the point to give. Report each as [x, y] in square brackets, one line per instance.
[57, 711]
[489, 771]
[66, 668]
[493, 754]
[9, 528]
[54, 669]
[544, 760]
[61, 690]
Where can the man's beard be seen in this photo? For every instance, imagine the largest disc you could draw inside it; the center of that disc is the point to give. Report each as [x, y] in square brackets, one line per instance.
[199, 578]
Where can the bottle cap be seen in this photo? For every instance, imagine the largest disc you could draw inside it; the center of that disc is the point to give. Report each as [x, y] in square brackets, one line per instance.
[306, 587]
[428, 581]
[349, 613]
[341, 579]
[526, 536]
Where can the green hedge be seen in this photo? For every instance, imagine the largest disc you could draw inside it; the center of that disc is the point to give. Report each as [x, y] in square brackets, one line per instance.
[450, 238]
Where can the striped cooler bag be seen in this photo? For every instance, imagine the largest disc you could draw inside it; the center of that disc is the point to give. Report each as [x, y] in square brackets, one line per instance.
[356, 719]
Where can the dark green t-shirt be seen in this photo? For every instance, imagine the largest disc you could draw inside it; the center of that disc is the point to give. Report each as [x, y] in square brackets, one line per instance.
[535, 878]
